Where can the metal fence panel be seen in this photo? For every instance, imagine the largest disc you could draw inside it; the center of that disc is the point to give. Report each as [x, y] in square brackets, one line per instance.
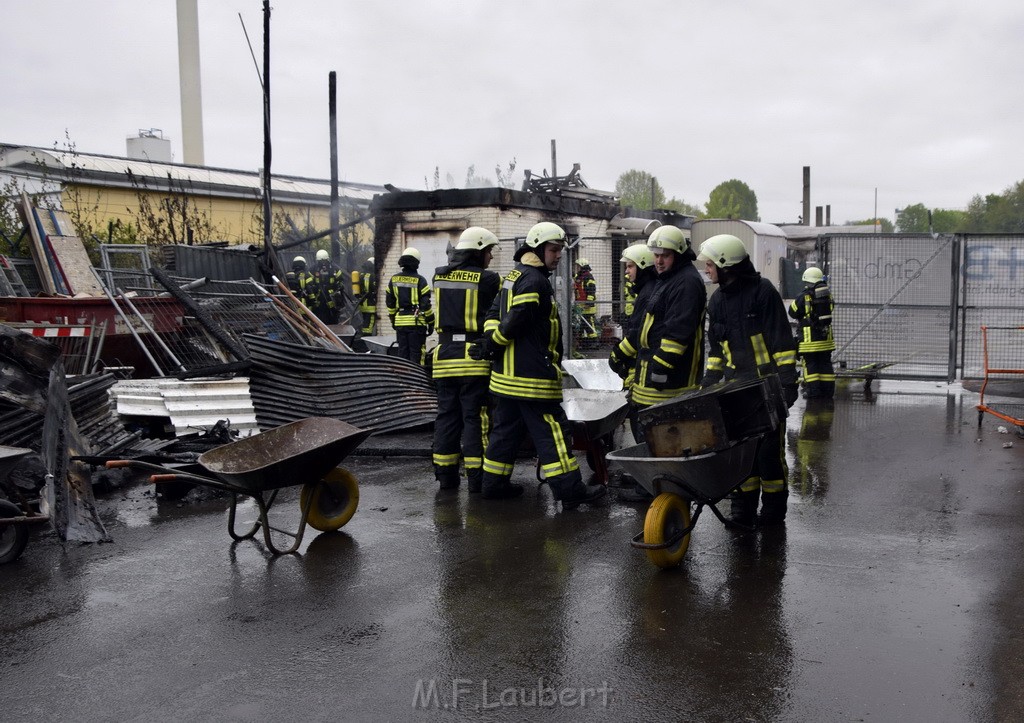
[894, 302]
[992, 294]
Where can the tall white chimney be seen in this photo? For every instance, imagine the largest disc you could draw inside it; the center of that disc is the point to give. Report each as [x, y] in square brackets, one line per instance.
[191, 92]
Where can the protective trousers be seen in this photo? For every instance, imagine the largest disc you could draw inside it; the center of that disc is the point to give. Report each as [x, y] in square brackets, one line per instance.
[461, 429]
[767, 481]
[549, 429]
[819, 375]
[411, 343]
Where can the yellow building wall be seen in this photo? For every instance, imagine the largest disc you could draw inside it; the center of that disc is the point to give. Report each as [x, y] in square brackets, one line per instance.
[234, 220]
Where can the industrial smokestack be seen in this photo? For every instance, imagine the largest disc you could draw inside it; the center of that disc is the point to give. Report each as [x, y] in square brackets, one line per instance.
[191, 92]
[807, 196]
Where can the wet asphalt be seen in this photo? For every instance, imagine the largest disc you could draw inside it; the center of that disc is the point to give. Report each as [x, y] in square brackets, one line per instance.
[894, 592]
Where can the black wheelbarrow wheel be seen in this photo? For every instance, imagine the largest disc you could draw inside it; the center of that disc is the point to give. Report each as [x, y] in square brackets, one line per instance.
[332, 501]
[667, 516]
[13, 538]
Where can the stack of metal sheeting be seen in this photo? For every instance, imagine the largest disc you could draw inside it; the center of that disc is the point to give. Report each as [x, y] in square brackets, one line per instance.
[93, 411]
[288, 382]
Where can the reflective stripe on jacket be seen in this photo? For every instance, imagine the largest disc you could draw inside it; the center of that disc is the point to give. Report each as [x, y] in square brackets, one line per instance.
[669, 339]
[524, 320]
[408, 301]
[463, 297]
[748, 332]
[813, 308]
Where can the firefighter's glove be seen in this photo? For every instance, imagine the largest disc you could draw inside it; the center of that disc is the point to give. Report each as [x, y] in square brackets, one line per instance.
[483, 348]
[790, 392]
[619, 363]
[710, 379]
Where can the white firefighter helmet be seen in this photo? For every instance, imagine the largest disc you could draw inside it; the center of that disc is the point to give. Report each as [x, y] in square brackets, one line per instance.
[723, 250]
[322, 255]
[413, 253]
[669, 237]
[545, 232]
[298, 260]
[639, 254]
[813, 275]
[476, 238]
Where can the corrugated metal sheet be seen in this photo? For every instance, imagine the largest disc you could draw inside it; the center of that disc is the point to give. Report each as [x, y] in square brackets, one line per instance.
[230, 263]
[191, 405]
[370, 391]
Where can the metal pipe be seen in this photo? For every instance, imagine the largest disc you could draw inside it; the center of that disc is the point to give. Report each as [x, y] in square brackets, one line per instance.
[127, 321]
[151, 330]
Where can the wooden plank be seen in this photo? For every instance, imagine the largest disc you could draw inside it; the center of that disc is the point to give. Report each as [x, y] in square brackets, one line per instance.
[75, 263]
[36, 249]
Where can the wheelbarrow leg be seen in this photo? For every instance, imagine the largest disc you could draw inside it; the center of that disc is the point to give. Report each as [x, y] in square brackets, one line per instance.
[231, 521]
[265, 506]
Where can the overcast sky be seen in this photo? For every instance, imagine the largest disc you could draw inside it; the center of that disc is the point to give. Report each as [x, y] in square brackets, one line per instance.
[921, 99]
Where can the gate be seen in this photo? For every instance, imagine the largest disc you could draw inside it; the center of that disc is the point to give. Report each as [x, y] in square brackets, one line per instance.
[914, 304]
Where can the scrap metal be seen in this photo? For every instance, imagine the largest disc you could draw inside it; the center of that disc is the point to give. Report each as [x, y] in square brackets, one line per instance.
[288, 382]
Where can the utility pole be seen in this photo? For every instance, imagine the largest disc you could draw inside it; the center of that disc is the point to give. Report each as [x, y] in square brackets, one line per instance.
[332, 102]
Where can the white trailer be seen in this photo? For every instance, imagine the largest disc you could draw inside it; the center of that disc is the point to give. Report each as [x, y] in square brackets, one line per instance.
[765, 242]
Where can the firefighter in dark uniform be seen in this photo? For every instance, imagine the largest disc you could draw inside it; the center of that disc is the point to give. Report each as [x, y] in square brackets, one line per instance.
[524, 341]
[298, 277]
[642, 275]
[364, 289]
[749, 337]
[813, 309]
[324, 292]
[587, 298]
[464, 291]
[408, 302]
[666, 345]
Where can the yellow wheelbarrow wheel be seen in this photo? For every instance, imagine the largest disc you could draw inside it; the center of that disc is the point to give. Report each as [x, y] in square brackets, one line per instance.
[334, 500]
[667, 516]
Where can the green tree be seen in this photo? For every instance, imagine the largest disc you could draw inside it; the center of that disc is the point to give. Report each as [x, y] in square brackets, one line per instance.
[914, 219]
[639, 189]
[680, 206]
[997, 213]
[733, 199]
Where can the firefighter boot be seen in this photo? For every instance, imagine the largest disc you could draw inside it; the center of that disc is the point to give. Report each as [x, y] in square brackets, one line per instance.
[773, 508]
[743, 507]
[476, 479]
[585, 494]
[447, 479]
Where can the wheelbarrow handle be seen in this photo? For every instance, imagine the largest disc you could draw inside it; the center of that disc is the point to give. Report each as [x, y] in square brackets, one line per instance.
[118, 463]
[158, 478]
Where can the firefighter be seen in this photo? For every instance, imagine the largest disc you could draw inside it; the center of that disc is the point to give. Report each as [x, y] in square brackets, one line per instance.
[523, 339]
[749, 337]
[813, 309]
[642, 275]
[364, 289]
[665, 346]
[586, 295]
[464, 292]
[408, 302]
[324, 292]
[298, 276]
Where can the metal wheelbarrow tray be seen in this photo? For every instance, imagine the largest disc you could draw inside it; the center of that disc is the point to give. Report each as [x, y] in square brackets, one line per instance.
[595, 414]
[306, 452]
[701, 480]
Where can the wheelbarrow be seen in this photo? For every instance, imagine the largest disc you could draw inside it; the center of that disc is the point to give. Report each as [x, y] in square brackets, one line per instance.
[14, 518]
[306, 452]
[595, 414]
[677, 483]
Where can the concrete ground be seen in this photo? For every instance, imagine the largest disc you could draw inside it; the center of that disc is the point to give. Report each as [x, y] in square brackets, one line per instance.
[894, 592]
